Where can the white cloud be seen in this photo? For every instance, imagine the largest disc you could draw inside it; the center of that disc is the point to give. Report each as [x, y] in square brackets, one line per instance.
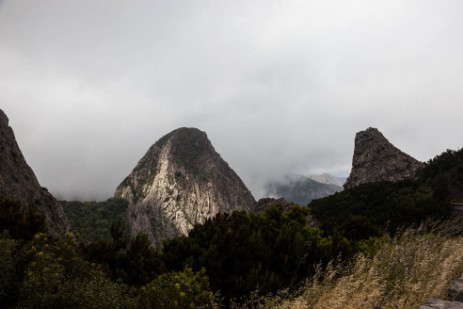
[279, 86]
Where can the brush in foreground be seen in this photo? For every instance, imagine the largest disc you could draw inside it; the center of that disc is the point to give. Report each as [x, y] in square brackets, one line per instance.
[405, 272]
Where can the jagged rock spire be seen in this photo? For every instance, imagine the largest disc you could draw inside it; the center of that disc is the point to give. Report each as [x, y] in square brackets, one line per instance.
[376, 159]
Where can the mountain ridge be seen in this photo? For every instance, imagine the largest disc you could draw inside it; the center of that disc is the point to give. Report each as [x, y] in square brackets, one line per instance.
[300, 189]
[328, 179]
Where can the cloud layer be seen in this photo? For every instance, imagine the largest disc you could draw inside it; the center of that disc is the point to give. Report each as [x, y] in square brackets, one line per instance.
[279, 86]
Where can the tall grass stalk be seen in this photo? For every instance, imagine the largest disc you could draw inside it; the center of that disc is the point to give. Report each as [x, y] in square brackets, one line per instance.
[404, 272]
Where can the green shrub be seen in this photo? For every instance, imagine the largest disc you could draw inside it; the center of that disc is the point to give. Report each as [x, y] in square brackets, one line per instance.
[58, 277]
[185, 289]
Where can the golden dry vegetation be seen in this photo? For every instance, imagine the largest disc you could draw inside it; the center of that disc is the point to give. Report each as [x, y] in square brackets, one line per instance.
[404, 272]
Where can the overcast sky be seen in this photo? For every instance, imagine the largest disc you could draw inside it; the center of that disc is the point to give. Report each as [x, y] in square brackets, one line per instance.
[278, 86]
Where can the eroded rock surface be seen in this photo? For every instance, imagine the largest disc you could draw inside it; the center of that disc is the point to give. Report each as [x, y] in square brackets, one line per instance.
[18, 181]
[180, 182]
[376, 159]
[455, 298]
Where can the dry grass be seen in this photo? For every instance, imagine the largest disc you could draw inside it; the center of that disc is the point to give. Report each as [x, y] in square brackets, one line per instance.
[404, 273]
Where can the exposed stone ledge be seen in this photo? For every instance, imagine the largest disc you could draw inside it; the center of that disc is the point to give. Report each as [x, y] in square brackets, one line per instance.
[455, 295]
[435, 303]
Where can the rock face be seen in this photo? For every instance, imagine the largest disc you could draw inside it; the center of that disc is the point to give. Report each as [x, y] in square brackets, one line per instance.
[376, 159]
[18, 181]
[181, 181]
[300, 189]
[455, 298]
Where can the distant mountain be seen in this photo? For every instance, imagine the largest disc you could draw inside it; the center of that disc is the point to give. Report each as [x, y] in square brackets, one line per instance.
[18, 182]
[329, 179]
[181, 181]
[300, 189]
[376, 159]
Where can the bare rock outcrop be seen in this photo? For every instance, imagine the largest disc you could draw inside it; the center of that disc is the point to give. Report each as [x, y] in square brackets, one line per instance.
[455, 298]
[376, 159]
[18, 181]
[181, 181]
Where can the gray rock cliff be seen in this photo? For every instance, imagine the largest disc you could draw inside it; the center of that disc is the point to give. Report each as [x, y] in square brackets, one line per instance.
[181, 181]
[18, 181]
[376, 159]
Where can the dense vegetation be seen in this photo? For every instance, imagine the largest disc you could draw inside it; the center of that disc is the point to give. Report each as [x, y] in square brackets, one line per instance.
[241, 251]
[93, 220]
[374, 208]
[405, 271]
[447, 161]
[230, 257]
[444, 174]
[39, 272]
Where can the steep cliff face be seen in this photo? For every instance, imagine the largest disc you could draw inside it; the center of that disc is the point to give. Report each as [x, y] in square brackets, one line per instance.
[18, 181]
[376, 159]
[181, 181]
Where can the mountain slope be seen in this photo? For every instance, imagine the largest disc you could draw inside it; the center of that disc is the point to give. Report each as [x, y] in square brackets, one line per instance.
[329, 179]
[376, 159]
[299, 189]
[18, 181]
[181, 181]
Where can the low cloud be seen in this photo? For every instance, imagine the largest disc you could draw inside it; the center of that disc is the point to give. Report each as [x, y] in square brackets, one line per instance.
[279, 87]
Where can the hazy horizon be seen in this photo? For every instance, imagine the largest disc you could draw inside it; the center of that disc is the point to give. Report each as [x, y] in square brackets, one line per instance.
[278, 86]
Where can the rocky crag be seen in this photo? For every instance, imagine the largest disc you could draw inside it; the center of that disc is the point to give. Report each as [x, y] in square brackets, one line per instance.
[455, 298]
[18, 181]
[181, 181]
[376, 159]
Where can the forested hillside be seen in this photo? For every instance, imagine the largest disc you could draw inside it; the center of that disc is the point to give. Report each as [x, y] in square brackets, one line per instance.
[230, 260]
[93, 220]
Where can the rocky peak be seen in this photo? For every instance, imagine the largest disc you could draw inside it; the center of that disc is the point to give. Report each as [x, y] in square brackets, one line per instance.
[18, 181]
[181, 181]
[376, 159]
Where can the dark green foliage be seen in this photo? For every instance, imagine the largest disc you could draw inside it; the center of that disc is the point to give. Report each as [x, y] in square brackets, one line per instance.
[44, 273]
[93, 220]
[141, 262]
[242, 251]
[20, 222]
[8, 277]
[184, 289]
[445, 174]
[135, 264]
[371, 209]
[59, 277]
[446, 161]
